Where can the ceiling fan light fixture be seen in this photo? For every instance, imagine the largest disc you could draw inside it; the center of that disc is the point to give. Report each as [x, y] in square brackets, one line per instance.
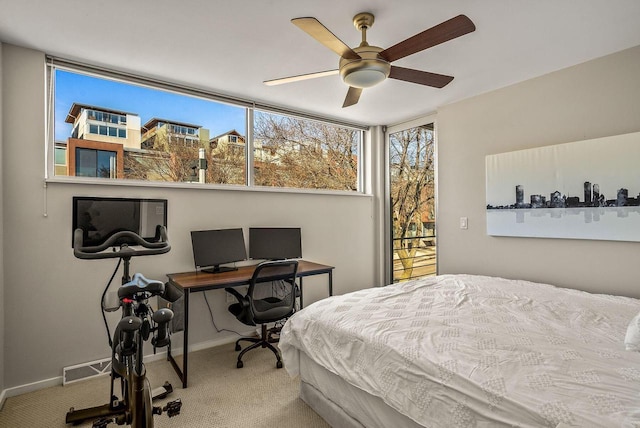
[364, 78]
[367, 71]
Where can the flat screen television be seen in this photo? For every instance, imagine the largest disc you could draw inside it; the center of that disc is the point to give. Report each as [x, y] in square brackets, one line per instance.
[275, 243]
[212, 248]
[99, 218]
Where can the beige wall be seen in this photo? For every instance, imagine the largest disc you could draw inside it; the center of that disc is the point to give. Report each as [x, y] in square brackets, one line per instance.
[52, 299]
[595, 99]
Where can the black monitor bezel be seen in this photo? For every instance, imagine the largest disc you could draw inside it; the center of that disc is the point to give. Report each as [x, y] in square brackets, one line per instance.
[273, 255]
[74, 219]
[215, 265]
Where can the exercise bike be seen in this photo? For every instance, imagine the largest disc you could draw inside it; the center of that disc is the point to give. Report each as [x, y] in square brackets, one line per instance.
[137, 324]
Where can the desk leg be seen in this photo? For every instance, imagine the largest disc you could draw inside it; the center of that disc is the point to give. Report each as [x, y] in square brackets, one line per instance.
[182, 373]
[300, 279]
[330, 273]
[185, 345]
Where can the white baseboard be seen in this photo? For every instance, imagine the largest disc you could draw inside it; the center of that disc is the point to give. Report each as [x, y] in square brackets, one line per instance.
[30, 387]
[35, 386]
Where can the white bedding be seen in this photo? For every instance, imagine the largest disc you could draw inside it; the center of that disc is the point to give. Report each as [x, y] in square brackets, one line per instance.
[469, 351]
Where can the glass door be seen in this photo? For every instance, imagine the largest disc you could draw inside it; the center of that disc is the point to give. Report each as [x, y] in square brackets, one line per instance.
[412, 214]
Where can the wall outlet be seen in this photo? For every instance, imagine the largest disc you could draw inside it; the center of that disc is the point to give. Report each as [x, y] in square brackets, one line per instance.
[464, 223]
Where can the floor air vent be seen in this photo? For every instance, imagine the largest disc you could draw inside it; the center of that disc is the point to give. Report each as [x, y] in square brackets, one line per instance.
[86, 371]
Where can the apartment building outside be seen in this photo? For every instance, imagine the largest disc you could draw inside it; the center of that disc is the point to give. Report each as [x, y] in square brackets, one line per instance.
[98, 139]
[158, 134]
[109, 143]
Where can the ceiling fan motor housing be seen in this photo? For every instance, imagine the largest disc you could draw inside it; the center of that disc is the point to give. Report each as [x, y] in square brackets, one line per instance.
[366, 66]
[367, 71]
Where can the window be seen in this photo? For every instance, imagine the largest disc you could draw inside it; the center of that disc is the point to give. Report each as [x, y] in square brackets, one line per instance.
[412, 202]
[161, 131]
[61, 156]
[88, 158]
[306, 154]
[95, 163]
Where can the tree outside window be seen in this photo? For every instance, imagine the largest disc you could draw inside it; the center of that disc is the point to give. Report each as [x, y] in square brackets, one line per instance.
[301, 153]
[412, 167]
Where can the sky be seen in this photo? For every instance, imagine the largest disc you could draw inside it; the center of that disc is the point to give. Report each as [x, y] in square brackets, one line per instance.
[147, 103]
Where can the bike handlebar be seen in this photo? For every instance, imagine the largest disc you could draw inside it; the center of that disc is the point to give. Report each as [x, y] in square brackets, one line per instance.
[96, 252]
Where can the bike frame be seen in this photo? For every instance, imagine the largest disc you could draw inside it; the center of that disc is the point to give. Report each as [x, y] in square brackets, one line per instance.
[135, 407]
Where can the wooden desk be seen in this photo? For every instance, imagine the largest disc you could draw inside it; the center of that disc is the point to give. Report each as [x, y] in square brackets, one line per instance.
[191, 282]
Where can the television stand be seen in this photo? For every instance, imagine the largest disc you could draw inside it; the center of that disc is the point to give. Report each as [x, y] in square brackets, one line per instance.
[219, 269]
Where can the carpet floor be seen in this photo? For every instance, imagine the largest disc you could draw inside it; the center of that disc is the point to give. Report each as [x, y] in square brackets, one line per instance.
[218, 395]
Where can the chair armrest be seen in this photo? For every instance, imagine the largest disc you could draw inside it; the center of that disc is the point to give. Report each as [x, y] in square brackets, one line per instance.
[241, 299]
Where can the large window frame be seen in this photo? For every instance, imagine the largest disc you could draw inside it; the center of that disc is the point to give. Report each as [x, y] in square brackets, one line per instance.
[387, 250]
[250, 106]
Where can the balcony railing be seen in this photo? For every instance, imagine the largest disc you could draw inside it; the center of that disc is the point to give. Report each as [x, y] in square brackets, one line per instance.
[423, 263]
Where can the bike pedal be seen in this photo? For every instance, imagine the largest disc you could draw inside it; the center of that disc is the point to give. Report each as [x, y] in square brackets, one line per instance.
[115, 402]
[162, 391]
[101, 423]
[173, 407]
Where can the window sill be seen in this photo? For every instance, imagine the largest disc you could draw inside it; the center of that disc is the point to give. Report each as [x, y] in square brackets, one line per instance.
[197, 186]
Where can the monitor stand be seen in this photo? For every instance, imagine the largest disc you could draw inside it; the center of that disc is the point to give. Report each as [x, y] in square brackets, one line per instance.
[219, 269]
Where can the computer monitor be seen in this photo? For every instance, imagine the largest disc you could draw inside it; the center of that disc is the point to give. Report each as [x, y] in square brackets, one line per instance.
[212, 248]
[99, 218]
[275, 243]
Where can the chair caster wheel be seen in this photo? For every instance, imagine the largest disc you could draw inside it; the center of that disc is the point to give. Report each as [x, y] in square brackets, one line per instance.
[238, 347]
[239, 364]
[279, 364]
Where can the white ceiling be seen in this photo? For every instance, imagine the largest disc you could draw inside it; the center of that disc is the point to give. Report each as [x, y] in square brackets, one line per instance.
[232, 46]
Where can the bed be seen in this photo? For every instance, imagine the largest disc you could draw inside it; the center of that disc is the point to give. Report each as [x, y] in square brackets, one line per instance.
[467, 351]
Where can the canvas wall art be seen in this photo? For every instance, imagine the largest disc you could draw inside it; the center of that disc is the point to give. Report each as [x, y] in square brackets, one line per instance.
[582, 190]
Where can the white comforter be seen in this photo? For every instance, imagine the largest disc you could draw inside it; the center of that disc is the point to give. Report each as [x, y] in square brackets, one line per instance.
[471, 351]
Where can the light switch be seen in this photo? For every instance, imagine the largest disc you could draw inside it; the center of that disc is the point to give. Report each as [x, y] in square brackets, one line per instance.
[464, 223]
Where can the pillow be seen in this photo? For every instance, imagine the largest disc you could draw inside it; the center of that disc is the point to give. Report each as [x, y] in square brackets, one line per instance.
[632, 339]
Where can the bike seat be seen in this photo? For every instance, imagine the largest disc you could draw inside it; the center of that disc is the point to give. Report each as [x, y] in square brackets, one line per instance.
[140, 284]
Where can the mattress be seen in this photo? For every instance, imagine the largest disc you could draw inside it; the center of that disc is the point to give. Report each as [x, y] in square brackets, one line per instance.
[343, 405]
[463, 350]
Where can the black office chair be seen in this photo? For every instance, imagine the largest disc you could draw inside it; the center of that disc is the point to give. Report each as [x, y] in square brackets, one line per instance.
[270, 298]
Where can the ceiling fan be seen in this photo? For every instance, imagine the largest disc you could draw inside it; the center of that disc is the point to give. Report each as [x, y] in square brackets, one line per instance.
[366, 66]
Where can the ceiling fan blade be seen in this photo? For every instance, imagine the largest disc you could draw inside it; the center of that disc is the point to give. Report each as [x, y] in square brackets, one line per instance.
[353, 95]
[420, 77]
[299, 77]
[315, 29]
[445, 31]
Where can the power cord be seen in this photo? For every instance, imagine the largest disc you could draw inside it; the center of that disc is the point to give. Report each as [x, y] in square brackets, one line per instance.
[213, 321]
[104, 293]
